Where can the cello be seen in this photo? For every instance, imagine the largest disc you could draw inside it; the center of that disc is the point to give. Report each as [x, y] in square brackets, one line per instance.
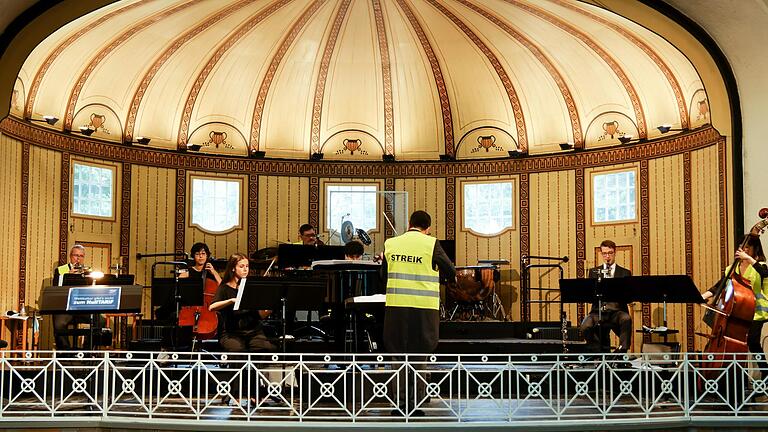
[731, 316]
[204, 322]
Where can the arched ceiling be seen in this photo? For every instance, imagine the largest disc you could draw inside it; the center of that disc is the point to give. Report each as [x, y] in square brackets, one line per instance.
[356, 79]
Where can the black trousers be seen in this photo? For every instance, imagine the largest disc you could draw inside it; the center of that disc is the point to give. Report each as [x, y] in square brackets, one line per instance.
[613, 320]
[755, 347]
[61, 324]
[409, 331]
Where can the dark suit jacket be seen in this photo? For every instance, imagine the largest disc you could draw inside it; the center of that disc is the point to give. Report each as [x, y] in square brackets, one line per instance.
[620, 272]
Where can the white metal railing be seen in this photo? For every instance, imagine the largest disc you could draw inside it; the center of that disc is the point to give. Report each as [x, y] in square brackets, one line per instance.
[376, 388]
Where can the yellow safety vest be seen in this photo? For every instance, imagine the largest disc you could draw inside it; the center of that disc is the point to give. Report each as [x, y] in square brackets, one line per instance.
[761, 301]
[411, 280]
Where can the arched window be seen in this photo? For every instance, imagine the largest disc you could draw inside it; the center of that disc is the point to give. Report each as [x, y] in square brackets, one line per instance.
[614, 196]
[216, 203]
[93, 190]
[487, 207]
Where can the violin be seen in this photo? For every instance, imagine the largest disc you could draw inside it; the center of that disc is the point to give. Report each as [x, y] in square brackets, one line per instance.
[203, 321]
[731, 316]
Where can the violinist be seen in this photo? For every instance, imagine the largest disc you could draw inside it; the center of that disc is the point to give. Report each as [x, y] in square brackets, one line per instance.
[241, 330]
[752, 267]
[201, 255]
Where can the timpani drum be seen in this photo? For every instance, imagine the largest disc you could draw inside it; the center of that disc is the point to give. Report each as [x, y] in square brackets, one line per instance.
[473, 284]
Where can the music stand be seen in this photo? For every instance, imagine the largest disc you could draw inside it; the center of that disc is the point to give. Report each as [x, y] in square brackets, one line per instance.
[263, 292]
[653, 289]
[299, 255]
[585, 291]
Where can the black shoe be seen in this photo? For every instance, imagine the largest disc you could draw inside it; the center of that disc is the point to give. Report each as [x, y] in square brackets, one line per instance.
[418, 413]
[397, 412]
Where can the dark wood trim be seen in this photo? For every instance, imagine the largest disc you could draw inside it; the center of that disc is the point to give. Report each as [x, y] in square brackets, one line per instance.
[181, 211]
[645, 239]
[125, 216]
[723, 197]
[23, 216]
[525, 243]
[253, 213]
[581, 235]
[389, 207]
[64, 185]
[450, 208]
[314, 202]
[690, 345]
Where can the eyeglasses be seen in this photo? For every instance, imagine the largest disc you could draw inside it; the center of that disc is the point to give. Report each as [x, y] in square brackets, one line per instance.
[310, 235]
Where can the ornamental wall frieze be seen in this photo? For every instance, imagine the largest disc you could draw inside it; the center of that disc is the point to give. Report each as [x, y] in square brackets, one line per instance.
[41, 137]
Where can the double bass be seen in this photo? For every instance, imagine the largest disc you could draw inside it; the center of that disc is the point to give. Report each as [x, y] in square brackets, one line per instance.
[203, 321]
[731, 316]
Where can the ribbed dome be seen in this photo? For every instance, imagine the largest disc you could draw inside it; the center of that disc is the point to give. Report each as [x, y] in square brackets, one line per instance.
[355, 79]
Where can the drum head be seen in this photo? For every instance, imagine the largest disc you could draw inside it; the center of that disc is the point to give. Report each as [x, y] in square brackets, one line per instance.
[347, 232]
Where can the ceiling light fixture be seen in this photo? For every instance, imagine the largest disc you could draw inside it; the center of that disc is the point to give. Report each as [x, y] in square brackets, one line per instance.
[194, 147]
[256, 154]
[668, 128]
[447, 158]
[566, 146]
[51, 120]
[87, 130]
[388, 157]
[316, 156]
[515, 153]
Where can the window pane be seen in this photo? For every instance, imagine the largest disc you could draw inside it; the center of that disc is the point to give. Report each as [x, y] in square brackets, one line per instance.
[614, 196]
[487, 207]
[92, 190]
[215, 204]
[354, 203]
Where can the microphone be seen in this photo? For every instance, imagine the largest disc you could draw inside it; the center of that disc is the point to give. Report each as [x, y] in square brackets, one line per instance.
[763, 213]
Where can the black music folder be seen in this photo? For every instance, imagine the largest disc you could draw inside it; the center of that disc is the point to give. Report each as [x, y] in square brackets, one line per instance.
[644, 289]
[299, 255]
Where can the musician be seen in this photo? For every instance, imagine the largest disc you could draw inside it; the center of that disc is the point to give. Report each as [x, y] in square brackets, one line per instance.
[239, 331]
[308, 236]
[62, 321]
[753, 268]
[200, 253]
[413, 263]
[615, 316]
[353, 251]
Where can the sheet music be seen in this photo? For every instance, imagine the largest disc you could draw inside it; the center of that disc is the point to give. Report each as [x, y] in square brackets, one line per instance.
[376, 298]
[345, 262]
[240, 289]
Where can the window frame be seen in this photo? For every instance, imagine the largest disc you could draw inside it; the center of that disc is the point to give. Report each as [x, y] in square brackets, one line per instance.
[190, 199]
[513, 202]
[324, 204]
[596, 172]
[76, 215]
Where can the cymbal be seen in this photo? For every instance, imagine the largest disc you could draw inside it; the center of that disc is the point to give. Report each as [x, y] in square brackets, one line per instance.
[264, 254]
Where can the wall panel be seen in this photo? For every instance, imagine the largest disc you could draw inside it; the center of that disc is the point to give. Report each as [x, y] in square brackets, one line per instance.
[705, 195]
[152, 221]
[283, 207]
[224, 244]
[42, 226]
[426, 194]
[667, 234]
[552, 224]
[471, 247]
[626, 236]
[10, 223]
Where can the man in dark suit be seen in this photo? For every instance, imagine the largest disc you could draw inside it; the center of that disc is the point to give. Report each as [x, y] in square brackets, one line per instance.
[615, 316]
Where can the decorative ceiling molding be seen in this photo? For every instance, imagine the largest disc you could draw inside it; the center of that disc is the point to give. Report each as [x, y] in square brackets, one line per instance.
[322, 77]
[600, 51]
[43, 137]
[222, 49]
[519, 118]
[442, 91]
[85, 28]
[573, 114]
[130, 122]
[386, 75]
[261, 99]
[116, 42]
[649, 51]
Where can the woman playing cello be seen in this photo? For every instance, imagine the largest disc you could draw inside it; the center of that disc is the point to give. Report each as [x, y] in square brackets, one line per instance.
[752, 268]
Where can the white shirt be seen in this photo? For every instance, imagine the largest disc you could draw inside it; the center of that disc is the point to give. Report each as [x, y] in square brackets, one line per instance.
[611, 270]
